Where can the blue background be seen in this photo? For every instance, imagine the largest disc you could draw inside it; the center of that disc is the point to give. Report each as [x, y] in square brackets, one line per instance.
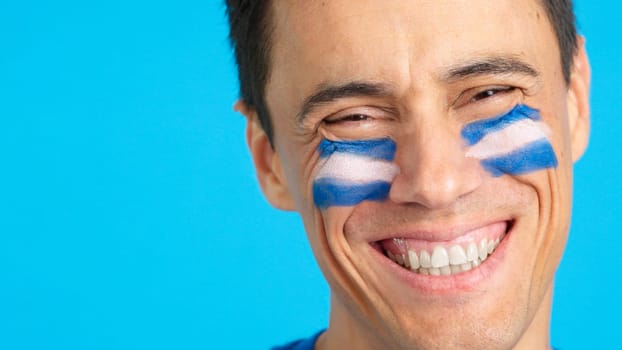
[130, 217]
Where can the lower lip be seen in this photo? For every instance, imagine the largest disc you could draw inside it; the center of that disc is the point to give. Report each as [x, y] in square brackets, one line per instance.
[458, 283]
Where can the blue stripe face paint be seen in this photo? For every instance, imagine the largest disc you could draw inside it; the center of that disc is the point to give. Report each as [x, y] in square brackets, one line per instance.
[375, 148]
[474, 132]
[329, 192]
[515, 143]
[354, 171]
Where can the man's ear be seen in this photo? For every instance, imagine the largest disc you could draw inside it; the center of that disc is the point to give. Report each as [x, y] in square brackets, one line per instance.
[267, 161]
[578, 101]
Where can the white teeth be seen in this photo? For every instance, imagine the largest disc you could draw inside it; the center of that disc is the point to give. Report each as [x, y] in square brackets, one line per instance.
[440, 257]
[457, 256]
[491, 246]
[483, 249]
[406, 260]
[444, 261]
[414, 260]
[424, 259]
[472, 253]
[400, 259]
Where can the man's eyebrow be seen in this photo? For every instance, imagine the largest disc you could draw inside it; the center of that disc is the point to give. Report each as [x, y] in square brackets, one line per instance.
[498, 65]
[329, 93]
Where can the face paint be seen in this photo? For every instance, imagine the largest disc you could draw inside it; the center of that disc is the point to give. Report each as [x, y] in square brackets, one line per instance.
[514, 143]
[354, 171]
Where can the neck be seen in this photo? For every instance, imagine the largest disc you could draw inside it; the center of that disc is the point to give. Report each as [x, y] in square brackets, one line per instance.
[345, 333]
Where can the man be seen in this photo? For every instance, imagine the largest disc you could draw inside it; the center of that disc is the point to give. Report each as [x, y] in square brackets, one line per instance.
[428, 147]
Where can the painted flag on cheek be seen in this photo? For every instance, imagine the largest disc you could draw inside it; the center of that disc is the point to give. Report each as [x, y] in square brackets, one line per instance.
[354, 171]
[514, 143]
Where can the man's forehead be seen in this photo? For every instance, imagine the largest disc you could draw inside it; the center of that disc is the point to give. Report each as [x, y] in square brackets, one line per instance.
[310, 21]
[337, 41]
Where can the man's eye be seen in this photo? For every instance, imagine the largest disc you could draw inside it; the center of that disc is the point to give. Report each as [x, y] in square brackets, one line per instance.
[348, 118]
[491, 92]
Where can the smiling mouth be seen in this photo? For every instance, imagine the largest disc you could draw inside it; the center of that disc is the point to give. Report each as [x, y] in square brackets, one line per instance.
[445, 258]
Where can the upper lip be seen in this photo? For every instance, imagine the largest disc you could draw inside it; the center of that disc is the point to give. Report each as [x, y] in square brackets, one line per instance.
[434, 231]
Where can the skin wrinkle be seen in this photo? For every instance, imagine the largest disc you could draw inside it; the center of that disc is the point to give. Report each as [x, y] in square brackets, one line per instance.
[558, 12]
[341, 275]
[550, 177]
[546, 246]
[370, 306]
[328, 93]
[487, 65]
[479, 131]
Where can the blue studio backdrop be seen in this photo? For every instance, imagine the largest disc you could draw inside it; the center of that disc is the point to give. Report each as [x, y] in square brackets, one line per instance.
[130, 217]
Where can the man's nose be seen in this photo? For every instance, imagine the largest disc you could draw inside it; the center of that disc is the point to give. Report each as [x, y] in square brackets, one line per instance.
[434, 171]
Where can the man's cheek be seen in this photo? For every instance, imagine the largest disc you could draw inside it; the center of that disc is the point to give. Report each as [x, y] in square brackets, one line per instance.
[351, 172]
[515, 143]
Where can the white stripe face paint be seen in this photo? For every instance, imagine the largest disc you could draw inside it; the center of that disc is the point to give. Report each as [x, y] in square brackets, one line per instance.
[507, 140]
[357, 169]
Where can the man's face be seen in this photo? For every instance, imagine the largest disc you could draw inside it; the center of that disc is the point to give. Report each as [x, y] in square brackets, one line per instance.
[418, 73]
